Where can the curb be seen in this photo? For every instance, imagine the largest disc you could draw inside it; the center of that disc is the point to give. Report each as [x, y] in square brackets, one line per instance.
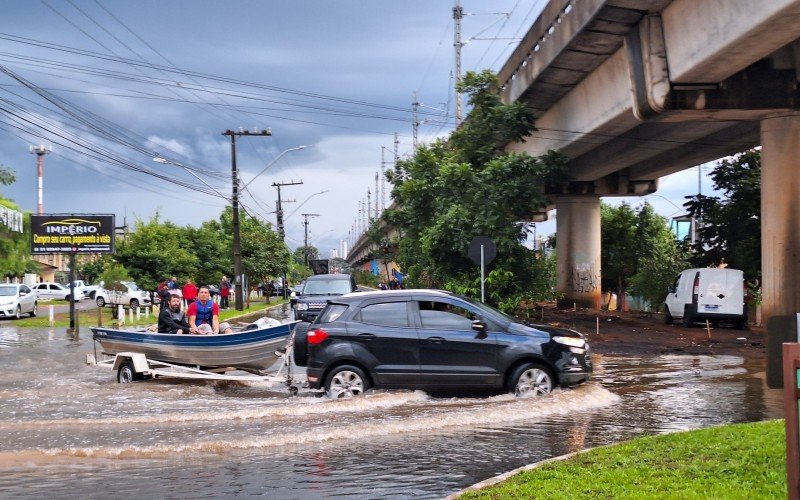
[506, 475]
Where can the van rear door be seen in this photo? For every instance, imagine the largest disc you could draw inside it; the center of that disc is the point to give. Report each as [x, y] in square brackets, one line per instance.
[721, 292]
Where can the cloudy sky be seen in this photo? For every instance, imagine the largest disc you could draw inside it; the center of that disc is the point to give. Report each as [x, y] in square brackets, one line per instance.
[111, 85]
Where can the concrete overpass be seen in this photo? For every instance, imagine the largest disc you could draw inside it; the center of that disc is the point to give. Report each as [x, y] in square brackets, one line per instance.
[633, 90]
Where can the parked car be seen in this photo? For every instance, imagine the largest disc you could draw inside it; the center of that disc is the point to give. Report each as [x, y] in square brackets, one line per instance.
[88, 290]
[434, 340]
[717, 295]
[317, 290]
[16, 300]
[56, 291]
[131, 295]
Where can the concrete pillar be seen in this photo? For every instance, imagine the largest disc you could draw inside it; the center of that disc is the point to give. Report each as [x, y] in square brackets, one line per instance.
[780, 235]
[578, 250]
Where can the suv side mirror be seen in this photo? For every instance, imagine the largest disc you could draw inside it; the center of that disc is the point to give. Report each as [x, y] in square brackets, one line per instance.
[479, 326]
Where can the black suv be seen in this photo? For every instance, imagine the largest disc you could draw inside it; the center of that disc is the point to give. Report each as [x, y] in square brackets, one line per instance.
[437, 341]
[316, 292]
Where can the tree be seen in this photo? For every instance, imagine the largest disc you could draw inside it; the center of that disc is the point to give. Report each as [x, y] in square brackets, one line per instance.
[303, 254]
[264, 255]
[15, 250]
[729, 227]
[451, 191]
[383, 248]
[660, 257]
[92, 270]
[7, 176]
[639, 251]
[212, 245]
[154, 251]
[619, 250]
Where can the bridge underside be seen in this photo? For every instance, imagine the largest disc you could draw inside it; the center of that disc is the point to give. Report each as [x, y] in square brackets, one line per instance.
[631, 91]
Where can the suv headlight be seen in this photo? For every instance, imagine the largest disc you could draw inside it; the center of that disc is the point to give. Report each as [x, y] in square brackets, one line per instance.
[570, 341]
[302, 306]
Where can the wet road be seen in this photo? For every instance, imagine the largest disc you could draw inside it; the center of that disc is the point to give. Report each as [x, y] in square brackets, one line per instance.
[69, 429]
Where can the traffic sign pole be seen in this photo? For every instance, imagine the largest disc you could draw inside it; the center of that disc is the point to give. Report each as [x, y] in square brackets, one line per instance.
[483, 298]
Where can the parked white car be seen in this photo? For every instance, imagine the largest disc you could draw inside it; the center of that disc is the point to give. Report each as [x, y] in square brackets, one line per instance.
[707, 294]
[88, 290]
[16, 300]
[55, 291]
[132, 296]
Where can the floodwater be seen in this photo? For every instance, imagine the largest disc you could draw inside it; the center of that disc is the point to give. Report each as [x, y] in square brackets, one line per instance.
[68, 429]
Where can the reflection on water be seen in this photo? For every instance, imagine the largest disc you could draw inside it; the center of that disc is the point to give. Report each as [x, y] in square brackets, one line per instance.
[69, 429]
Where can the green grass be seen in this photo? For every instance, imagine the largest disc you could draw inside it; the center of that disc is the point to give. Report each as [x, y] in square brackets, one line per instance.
[90, 317]
[735, 461]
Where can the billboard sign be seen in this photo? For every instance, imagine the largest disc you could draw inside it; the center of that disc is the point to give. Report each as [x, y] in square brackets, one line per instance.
[72, 233]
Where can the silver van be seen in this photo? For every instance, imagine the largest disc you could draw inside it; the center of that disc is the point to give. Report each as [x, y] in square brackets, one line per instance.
[713, 294]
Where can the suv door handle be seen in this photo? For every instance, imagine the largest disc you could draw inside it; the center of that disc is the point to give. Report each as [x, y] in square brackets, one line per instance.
[436, 340]
[366, 336]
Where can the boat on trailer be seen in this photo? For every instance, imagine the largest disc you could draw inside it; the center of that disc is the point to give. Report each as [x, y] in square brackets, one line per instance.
[251, 350]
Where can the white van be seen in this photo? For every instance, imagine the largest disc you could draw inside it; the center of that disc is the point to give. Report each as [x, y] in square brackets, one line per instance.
[713, 294]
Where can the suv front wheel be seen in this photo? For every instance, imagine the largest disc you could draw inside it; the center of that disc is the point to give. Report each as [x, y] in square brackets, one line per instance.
[346, 381]
[531, 378]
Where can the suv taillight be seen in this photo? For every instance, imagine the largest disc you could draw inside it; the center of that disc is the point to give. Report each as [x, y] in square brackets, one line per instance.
[317, 336]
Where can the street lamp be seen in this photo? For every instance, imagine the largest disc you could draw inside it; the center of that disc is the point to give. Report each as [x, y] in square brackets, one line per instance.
[273, 162]
[304, 202]
[164, 161]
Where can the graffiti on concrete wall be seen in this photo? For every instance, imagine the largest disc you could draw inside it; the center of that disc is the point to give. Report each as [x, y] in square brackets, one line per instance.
[584, 278]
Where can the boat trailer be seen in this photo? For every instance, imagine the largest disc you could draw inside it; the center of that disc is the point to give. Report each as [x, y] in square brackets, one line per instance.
[135, 366]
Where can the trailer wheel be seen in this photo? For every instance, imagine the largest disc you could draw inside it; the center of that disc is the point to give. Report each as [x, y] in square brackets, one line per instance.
[126, 374]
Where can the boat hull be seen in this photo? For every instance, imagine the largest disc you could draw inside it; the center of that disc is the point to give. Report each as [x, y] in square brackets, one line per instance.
[246, 350]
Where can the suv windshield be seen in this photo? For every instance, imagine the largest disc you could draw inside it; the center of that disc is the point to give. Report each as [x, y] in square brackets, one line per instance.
[7, 291]
[327, 287]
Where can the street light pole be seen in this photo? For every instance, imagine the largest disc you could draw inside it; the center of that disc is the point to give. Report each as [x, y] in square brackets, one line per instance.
[237, 243]
[164, 161]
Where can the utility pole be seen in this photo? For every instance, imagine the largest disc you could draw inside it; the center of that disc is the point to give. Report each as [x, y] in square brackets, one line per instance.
[237, 242]
[305, 244]
[414, 119]
[369, 208]
[383, 179]
[279, 207]
[458, 13]
[377, 213]
[281, 231]
[40, 151]
[396, 146]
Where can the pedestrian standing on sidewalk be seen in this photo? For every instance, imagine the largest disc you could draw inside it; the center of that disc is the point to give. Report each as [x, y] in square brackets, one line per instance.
[224, 292]
[189, 291]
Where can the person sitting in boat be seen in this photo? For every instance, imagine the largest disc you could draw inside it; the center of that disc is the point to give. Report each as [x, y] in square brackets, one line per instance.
[173, 320]
[204, 314]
